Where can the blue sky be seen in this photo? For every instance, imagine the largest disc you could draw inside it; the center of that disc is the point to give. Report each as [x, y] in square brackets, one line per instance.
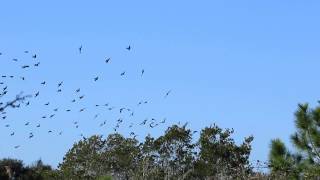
[239, 64]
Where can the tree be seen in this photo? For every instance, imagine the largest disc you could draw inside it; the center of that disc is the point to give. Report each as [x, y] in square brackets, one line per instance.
[306, 162]
[220, 157]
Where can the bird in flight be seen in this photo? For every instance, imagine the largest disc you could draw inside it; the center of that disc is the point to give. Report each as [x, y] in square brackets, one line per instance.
[96, 78]
[15, 59]
[142, 72]
[107, 60]
[43, 83]
[80, 49]
[78, 90]
[123, 73]
[37, 64]
[60, 83]
[37, 94]
[12, 134]
[46, 104]
[167, 94]
[25, 66]
[16, 147]
[128, 48]
[34, 56]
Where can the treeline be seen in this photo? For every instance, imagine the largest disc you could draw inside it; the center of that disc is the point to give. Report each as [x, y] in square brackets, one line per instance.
[175, 155]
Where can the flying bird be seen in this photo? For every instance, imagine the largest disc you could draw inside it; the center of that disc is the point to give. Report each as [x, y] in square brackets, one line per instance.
[107, 60]
[167, 94]
[60, 83]
[80, 49]
[78, 90]
[37, 94]
[46, 104]
[43, 83]
[96, 78]
[16, 147]
[34, 56]
[25, 66]
[37, 64]
[142, 72]
[128, 48]
[123, 73]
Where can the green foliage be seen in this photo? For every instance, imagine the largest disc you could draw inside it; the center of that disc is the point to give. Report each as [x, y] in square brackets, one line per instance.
[305, 163]
[171, 156]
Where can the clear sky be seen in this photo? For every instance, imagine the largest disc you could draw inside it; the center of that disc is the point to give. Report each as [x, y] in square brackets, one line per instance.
[239, 64]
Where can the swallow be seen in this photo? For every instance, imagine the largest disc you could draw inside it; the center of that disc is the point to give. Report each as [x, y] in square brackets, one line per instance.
[128, 48]
[96, 78]
[107, 60]
[37, 94]
[123, 73]
[78, 90]
[43, 83]
[25, 66]
[60, 83]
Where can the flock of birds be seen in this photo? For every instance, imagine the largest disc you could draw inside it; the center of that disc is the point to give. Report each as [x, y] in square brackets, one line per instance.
[22, 101]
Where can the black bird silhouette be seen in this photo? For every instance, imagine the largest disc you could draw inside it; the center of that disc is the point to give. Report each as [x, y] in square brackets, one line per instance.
[28, 103]
[60, 83]
[26, 51]
[38, 125]
[128, 48]
[16, 147]
[52, 115]
[49, 131]
[96, 78]
[81, 110]
[73, 100]
[25, 66]
[60, 133]
[167, 94]
[37, 94]
[37, 64]
[107, 60]
[43, 83]
[43, 117]
[12, 134]
[164, 120]
[46, 104]
[123, 73]
[68, 110]
[56, 109]
[11, 76]
[144, 122]
[78, 90]
[26, 124]
[34, 56]
[7, 125]
[23, 78]
[59, 90]
[14, 59]
[81, 97]
[30, 135]
[142, 72]
[121, 109]
[80, 49]
[3, 76]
